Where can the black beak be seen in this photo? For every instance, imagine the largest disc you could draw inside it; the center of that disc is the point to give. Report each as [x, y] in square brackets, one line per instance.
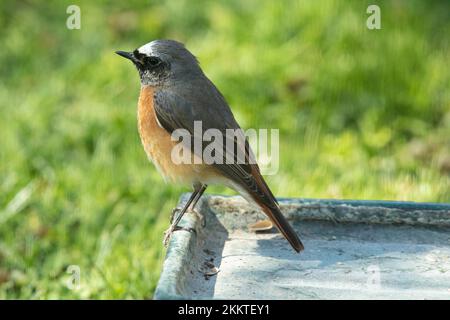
[131, 56]
[128, 55]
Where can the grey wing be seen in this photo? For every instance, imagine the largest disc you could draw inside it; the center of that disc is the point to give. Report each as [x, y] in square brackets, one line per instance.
[180, 110]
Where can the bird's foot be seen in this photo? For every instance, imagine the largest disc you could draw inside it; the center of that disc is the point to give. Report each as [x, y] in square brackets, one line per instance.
[173, 214]
[168, 233]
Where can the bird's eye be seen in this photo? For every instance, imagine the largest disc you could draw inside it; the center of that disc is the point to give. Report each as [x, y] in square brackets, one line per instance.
[152, 61]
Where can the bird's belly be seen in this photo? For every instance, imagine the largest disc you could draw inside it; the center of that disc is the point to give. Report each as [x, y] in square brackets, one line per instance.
[158, 146]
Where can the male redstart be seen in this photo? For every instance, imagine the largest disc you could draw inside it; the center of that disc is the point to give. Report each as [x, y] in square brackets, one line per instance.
[175, 94]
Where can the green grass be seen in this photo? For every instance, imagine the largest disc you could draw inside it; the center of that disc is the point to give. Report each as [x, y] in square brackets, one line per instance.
[362, 114]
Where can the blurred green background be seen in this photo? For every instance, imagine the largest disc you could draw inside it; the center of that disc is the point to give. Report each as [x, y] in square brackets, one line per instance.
[363, 114]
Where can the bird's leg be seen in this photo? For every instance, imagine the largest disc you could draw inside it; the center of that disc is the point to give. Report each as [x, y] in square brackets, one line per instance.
[193, 199]
[173, 224]
[195, 196]
[199, 195]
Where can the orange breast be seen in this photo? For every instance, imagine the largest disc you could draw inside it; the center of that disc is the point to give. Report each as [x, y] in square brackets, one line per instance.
[158, 145]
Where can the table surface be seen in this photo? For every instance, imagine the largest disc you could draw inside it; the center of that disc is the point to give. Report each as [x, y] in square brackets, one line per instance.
[398, 255]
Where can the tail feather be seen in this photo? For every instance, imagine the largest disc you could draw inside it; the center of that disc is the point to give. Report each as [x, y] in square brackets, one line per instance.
[268, 203]
[283, 225]
[253, 188]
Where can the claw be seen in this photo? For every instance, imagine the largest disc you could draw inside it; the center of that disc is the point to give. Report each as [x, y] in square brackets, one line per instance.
[167, 236]
[168, 233]
[173, 214]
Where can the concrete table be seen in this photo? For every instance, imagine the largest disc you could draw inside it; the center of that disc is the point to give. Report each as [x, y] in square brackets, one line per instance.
[353, 250]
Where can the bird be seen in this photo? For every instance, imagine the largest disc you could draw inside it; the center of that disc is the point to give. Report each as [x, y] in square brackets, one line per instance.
[175, 95]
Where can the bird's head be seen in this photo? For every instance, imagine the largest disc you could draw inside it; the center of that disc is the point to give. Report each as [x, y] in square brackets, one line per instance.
[163, 61]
